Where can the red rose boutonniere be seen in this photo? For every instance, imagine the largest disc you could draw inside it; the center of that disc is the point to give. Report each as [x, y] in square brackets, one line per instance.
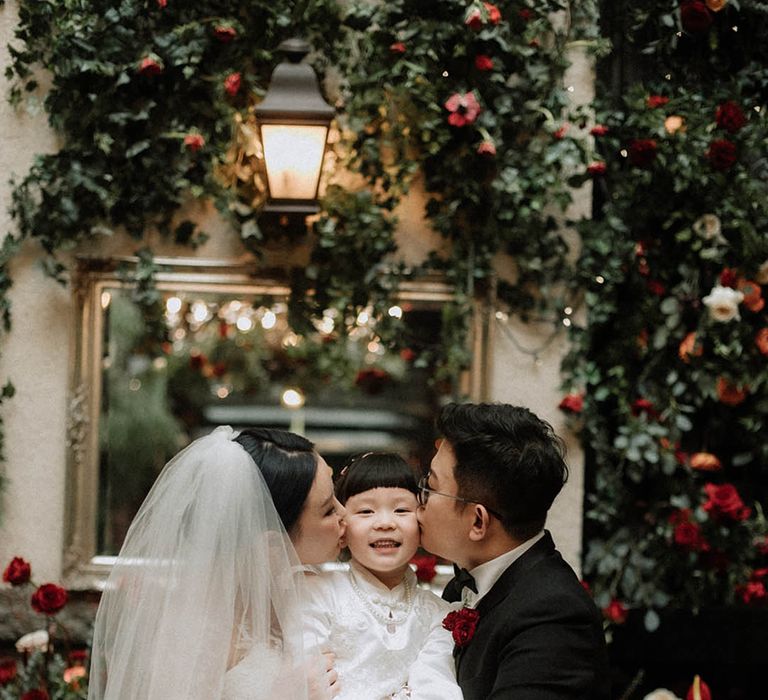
[461, 624]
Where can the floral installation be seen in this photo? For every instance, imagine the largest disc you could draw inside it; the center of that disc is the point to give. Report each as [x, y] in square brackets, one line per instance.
[462, 624]
[40, 672]
[672, 265]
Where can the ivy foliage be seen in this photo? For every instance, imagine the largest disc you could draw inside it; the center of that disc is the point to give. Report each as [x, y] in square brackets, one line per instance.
[675, 395]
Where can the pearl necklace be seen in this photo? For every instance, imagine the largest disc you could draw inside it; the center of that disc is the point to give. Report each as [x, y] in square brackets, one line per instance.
[389, 621]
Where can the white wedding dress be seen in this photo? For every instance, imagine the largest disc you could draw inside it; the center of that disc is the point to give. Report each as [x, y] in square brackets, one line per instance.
[205, 576]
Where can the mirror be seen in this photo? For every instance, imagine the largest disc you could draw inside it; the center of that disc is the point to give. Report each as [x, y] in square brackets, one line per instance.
[228, 355]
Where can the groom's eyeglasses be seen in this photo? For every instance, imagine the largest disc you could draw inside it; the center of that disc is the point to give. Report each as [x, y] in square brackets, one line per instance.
[423, 496]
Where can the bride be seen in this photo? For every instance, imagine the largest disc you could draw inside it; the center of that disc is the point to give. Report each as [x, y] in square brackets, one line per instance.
[204, 601]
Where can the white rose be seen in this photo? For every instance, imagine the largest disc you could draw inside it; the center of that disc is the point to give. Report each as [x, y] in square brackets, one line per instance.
[762, 274]
[33, 641]
[723, 303]
[709, 228]
[661, 694]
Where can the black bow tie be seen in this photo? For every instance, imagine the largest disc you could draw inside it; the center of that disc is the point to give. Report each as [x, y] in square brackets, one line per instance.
[461, 579]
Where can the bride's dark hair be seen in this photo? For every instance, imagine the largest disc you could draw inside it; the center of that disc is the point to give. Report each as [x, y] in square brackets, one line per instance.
[288, 463]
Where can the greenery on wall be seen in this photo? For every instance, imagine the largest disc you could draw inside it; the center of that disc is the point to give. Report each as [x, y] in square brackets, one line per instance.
[669, 376]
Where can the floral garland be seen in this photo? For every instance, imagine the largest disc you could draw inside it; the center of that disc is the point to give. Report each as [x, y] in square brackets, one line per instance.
[669, 376]
[153, 101]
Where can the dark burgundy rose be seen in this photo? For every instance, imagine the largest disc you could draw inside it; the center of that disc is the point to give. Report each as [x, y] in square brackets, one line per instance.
[695, 17]
[722, 154]
[224, 33]
[462, 624]
[48, 599]
[35, 695]
[7, 671]
[642, 152]
[730, 117]
[18, 572]
[688, 536]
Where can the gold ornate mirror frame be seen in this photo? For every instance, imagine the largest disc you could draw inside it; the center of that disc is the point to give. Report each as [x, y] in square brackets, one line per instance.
[84, 568]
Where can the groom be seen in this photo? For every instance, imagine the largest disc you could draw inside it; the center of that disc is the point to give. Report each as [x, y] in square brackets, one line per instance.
[483, 505]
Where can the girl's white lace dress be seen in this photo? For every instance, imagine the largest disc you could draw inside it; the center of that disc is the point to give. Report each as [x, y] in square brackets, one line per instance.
[388, 643]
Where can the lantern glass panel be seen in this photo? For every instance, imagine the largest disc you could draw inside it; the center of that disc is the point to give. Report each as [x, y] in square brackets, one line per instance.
[294, 156]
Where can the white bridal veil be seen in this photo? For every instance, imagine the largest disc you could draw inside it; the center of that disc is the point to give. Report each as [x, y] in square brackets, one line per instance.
[203, 581]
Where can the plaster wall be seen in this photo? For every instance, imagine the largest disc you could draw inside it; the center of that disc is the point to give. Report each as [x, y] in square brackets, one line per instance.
[37, 354]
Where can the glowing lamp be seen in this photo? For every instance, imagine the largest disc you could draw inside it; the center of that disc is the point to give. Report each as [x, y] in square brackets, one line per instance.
[293, 120]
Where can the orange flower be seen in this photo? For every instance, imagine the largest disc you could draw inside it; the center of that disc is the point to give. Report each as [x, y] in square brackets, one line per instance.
[674, 123]
[73, 674]
[690, 347]
[729, 393]
[753, 298]
[705, 462]
[716, 5]
[761, 340]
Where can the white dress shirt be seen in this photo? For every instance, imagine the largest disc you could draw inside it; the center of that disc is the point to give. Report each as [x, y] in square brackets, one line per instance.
[488, 573]
[409, 656]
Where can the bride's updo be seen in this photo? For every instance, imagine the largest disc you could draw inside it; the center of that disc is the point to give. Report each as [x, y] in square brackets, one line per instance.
[288, 463]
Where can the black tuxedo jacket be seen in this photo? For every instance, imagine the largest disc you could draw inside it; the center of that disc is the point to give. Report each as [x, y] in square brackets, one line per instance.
[539, 636]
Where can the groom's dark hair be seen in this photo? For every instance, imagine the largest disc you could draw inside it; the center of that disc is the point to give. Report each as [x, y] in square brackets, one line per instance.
[508, 459]
[288, 463]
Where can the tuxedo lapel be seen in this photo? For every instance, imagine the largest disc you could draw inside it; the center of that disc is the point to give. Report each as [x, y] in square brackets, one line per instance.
[543, 548]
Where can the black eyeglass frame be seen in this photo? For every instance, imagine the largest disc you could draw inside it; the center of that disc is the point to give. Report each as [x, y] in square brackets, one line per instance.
[423, 496]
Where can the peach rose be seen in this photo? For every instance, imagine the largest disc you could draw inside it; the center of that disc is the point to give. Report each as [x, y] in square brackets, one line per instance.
[761, 340]
[705, 462]
[753, 298]
[729, 393]
[690, 347]
[674, 123]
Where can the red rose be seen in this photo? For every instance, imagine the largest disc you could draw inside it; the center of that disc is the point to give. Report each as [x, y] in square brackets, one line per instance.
[407, 355]
[18, 572]
[48, 599]
[681, 515]
[724, 501]
[644, 406]
[642, 152]
[599, 130]
[149, 67]
[762, 545]
[425, 567]
[474, 19]
[397, 47]
[486, 148]
[77, 657]
[572, 403]
[616, 611]
[232, 84]
[35, 695]
[483, 62]
[525, 14]
[194, 142]
[753, 592]
[655, 101]
[7, 671]
[494, 16]
[699, 690]
[729, 277]
[162, 3]
[461, 624]
[721, 154]
[695, 16]
[730, 117]
[561, 132]
[224, 33]
[597, 168]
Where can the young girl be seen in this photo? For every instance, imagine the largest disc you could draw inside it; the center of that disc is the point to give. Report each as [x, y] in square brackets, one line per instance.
[385, 632]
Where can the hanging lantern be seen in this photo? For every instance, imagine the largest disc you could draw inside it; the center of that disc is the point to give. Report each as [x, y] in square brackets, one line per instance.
[293, 122]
